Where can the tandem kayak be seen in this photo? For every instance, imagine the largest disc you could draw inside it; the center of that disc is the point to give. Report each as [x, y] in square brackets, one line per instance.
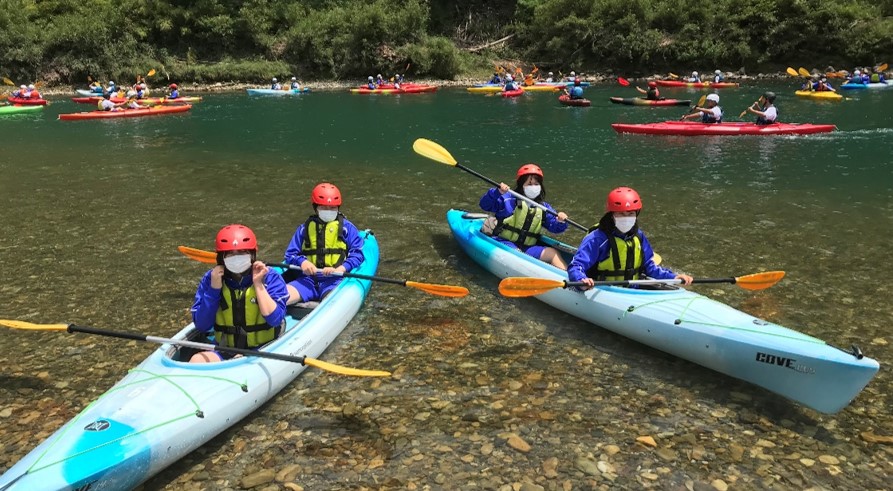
[874, 85]
[88, 93]
[566, 100]
[126, 113]
[697, 85]
[412, 89]
[165, 408]
[690, 326]
[275, 92]
[641, 101]
[19, 109]
[145, 100]
[687, 128]
[823, 95]
[491, 89]
[26, 102]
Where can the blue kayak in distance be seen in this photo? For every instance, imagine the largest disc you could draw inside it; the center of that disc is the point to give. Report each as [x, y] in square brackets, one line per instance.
[688, 325]
[274, 92]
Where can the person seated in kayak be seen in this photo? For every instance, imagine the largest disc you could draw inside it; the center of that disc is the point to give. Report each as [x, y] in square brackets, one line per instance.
[575, 92]
[550, 78]
[139, 92]
[240, 300]
[20, 92]
[495, 80]
[616, 248]
[876, 78]
[32, 92]
[653, 93]
[379, 80]
[132, 101]
[510, 84]
[275, 85]
[517, 223]
[323, 246]
[855, 78]
[765, 109]
[710, 114]
[571, 77]
[695, 78]
[370, 83]
[529, 80]
[112, 88]
[106, 104]
[398, 79]
[823, 85]
[96, 88]
[173, 91]
[294, 84]
[718, 77]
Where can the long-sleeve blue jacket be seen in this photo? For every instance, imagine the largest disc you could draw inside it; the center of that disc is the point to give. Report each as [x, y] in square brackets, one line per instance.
[503, 206]
[207, 299]
[350, 235]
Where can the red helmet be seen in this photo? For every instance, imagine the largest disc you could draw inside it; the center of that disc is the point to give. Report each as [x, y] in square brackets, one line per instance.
[576, 81]
[529, 169]
[623, 199]
[173, 86]
[236, 237]
[652, 84]
[325, 194]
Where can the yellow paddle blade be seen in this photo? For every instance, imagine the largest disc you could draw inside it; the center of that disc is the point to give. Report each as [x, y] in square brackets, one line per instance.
[702, 100]
[881, 67]
[441, 290]
[151, 72]
[759, 281]
[198, 254]
[657, 259]
[33, 327]
[433, 151]
[673, 75]
[792, 72]
[356, 372]
[804, 72]
[527, 287]
[8, 81]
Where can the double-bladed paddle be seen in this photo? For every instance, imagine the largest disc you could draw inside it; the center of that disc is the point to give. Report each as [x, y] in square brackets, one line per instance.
[210, 257]
[528, 287]
[303, 360]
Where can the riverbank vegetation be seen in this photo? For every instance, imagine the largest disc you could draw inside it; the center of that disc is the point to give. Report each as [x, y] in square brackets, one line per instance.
[67, 42]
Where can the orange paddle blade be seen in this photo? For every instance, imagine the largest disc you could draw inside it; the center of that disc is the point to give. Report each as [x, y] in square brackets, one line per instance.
[151, 72]
[33, 327]
[759, 281]
[881, 67]
[527, 287]
[441, 290]
[198, 254]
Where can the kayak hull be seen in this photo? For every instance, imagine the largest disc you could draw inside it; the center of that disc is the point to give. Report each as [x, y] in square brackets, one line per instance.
[697, 85]
[26, 102]
[692, 327]
[512, 93]
[88, 93]
[163, 409]
[565, 100]
[822, 95]
[492, 89]
[145, 100]
[20, 109]
[273, 92]
[126, 113]
[874, 85]
[685, 128]
[413, 89]
[640, 101]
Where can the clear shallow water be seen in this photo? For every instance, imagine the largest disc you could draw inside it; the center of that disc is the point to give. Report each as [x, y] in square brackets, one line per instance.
[93, 211]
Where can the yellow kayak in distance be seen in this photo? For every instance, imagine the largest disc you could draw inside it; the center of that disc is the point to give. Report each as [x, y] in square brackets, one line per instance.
[823, 95]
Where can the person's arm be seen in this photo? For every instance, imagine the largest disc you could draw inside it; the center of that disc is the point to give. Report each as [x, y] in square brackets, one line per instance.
[555, 224]
[207, 299]
[494, 201]
[587, 255]
[293, 254]
[641, 90]
[354, 243]
[271, 293]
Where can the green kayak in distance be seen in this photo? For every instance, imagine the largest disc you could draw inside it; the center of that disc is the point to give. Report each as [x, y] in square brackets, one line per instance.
[19, 109]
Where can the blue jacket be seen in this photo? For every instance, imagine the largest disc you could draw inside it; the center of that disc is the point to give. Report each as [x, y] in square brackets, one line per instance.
[349, 233]
[207, 299]
[595, 248]
[503, 206]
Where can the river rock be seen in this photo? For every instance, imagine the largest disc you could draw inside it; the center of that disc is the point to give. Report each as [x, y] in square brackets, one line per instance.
[518, 443]
[586, 466]
[550, 467]
[265, 476]
[829, 459]
[719, 485]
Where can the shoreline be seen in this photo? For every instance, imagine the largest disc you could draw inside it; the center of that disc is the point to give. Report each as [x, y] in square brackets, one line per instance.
[328, 85]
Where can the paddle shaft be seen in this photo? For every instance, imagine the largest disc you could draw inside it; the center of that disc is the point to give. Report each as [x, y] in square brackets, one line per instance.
[345, 274]
[189, 344]
[651, 282]
[521, 196]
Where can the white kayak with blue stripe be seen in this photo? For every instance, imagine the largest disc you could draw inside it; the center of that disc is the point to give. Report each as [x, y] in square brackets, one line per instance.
[275, 92]
[691, 326]
[164, 408]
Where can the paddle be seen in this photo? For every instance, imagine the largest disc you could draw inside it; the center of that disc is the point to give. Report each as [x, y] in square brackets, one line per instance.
[792, 72]
[881, 67]
[622, 81]
[528, 287]
[745, 111]
[429, 149]
[432, 288]
[303, 360]
[673, 75]
[804, 72]
[9, 82]
[694, 109]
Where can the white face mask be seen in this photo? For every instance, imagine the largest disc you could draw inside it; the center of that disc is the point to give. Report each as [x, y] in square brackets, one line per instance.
[237, 264]
[624, 224]
[532, 191]
[327, 215]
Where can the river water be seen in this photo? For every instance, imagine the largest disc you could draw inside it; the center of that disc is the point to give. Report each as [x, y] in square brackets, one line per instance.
[488, 392]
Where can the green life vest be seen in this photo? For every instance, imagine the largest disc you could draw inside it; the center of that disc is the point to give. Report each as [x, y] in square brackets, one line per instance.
[875, 78]
[239, 323]
[624, 262]
[523, 227]
[322, 244]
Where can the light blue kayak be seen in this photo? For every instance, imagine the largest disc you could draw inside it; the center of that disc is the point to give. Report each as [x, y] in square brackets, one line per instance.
[278, 92]
[691, 326]
[165, 408]
[872, 85]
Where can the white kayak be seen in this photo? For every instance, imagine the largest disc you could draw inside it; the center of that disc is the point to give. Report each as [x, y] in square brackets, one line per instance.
[165, 408]
[275, 92]
[691, 326]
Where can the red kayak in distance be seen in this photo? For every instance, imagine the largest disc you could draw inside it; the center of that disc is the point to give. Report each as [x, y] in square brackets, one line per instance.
[145, 100]
[697, 85]
[687, 128]
[26, 102]
[404, 89]
[641, 101]
[566, 100]
[126, 113]
[512, 93]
